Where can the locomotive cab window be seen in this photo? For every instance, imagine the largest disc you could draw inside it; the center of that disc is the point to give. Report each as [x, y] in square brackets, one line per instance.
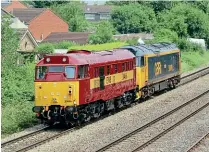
[140, 61]
[55, 69]
[40, 72]
[82, 71]
[70, 72]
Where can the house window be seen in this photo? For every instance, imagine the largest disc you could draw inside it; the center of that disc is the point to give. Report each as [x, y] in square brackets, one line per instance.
[90, 16]
[104, 16]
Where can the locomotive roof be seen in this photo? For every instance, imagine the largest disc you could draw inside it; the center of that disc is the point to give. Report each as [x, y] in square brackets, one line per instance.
[141, 50]
[83, 57]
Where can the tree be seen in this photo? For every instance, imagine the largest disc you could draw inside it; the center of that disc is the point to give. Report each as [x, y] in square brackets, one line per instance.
[9, 44]
[17, 81]
[72, 14]
[44, 3]
[133, 18]
[165, 35]
[186, 20]
[103, 34]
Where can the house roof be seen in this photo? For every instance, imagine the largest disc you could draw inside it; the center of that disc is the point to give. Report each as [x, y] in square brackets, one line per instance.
[23, 32]
[77, 37]
[97, 8]
[27, 14]
[3, 12]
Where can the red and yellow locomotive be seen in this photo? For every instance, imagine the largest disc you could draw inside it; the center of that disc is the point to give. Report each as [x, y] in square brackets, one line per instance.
[81, 85]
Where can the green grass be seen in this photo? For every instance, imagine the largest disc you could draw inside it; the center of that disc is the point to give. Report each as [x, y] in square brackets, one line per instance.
[17, 117]
[99, 47]
[191, 60]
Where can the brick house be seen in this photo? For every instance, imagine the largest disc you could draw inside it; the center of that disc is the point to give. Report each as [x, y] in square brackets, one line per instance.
[41, 22]
[9, 6]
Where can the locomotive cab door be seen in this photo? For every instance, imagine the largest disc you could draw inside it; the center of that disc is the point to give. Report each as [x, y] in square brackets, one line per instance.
[141, 71]
[101, 78]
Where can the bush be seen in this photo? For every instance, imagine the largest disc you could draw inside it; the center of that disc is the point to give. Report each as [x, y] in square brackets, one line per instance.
[132, 41]
[63, 45]
[17, 116]
[187, 46]
[45, 48]
[103, 34]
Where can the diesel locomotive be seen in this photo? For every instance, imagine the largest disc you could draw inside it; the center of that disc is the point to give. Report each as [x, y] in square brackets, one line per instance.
[80, 85]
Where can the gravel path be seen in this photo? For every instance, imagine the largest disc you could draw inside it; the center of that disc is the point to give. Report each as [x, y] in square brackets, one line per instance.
[98, 134]
[185, 135]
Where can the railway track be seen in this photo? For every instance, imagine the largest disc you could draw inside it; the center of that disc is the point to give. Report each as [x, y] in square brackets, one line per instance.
[7, 144]
[21, 143]
[4, 144]
[126, 137]
[194, 76]
[196, 144]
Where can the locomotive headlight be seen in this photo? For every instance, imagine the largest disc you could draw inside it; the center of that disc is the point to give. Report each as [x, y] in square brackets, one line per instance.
[47, 59]
[64, 59]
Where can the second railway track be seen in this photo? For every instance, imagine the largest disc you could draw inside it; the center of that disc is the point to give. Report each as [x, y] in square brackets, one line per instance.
[138, 130]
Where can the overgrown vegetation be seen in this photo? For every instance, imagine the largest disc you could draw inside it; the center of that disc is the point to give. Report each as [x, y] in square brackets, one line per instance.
[169, 22]
[17, 84]
[103, 34]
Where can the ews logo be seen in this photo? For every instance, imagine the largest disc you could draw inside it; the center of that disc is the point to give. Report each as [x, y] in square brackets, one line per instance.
[157, 68]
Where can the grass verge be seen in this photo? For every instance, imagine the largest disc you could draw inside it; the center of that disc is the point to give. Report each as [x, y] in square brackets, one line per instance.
[98, 47]
[17, 117]
[192, 60]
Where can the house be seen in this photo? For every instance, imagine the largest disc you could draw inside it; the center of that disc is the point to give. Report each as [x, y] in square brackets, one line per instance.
[9, 6]
[41, 22]
[75, 37]
[27, 42]
[97, 12]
